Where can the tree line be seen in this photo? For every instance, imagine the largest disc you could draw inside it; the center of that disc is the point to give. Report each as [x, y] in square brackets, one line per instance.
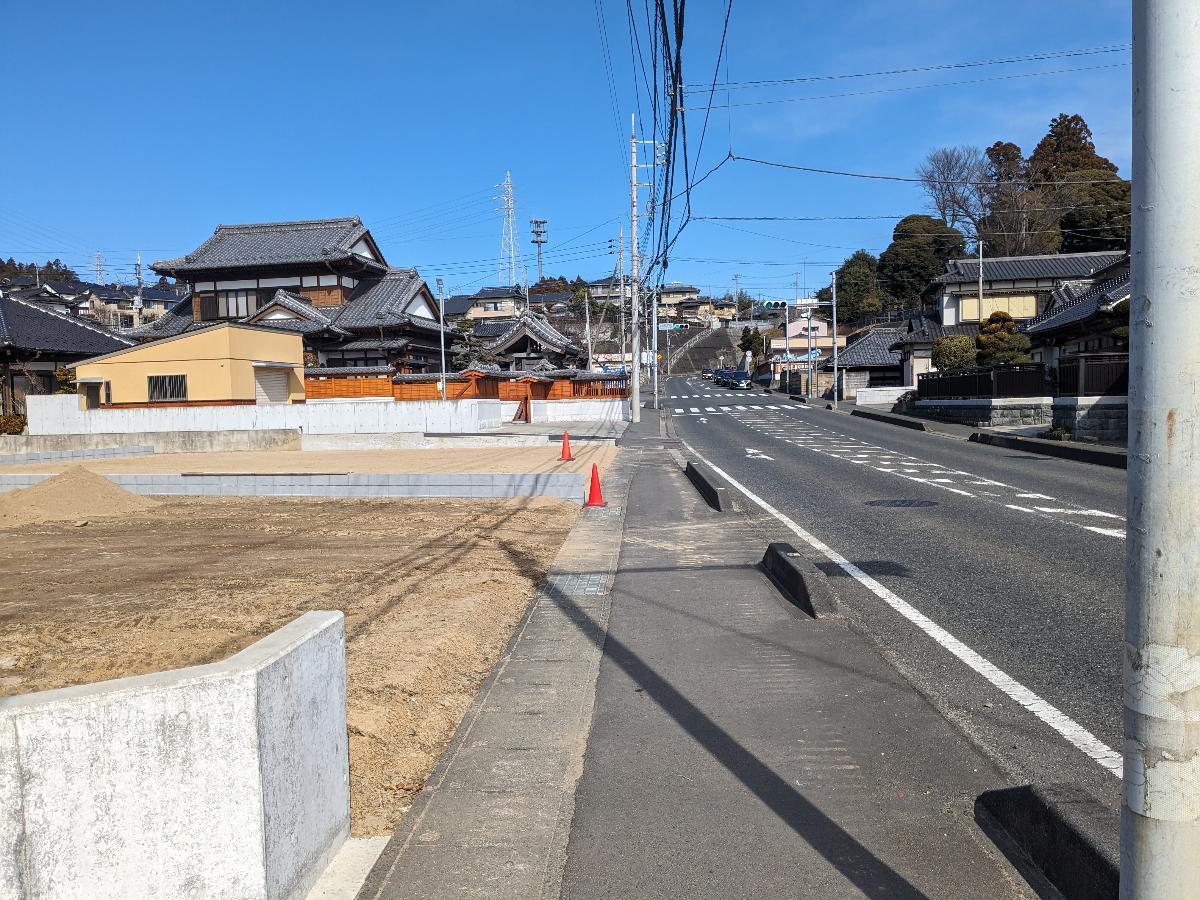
[51, 270]
[1061, 198]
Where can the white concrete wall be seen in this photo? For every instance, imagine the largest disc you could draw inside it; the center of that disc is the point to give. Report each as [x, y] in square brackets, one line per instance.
[609, 409]
[880, 396]
[215, 781]
[60, 414]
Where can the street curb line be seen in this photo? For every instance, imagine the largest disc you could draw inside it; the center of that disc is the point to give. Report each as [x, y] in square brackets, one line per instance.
[800, 581]
[706, 487]
[889, 419]
[797, 398]
[1099, 456]
[1059, 828]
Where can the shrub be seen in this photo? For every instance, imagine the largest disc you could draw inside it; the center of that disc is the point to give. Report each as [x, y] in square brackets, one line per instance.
[1000, 343]
[953, 351]
[12, 424]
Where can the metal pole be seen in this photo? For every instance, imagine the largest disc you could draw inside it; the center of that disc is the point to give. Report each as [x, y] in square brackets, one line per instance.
[1160, 818]
[621, 295]
[654, 343]
[635, 394]
[808, 329]
[441, 286]
[979, 244]
[835, 347]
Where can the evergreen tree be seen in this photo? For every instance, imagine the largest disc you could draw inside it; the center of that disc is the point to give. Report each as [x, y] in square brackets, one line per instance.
[999, 343]
[920, 247]
[951, 352]
[859, 295]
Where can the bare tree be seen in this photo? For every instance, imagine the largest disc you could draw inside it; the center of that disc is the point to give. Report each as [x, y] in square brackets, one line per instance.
[954, 181]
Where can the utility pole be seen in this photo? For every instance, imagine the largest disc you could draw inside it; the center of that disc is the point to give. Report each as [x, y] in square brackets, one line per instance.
[654, 343]
[1160, 816]
[835, 347]
[979, 244]
[587, 328]
[737, 292]
[441, 286]
[635, 413]
[137, 300]
[621, 301]
[539, 238]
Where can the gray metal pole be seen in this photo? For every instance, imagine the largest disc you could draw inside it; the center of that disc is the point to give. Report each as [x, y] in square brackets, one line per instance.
[835, 347]
[635, 412]
[654, 344]
[808, 330]
[1160, 820]
[441, 286]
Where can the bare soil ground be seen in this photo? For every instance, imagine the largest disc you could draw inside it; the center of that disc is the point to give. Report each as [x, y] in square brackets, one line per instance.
[431, 591]
[393, 462]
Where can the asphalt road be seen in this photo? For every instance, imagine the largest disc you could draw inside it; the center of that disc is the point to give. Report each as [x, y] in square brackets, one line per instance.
[1019, 557]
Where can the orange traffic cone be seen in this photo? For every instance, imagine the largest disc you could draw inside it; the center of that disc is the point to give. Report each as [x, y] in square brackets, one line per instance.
[595, 498]
[566, 456]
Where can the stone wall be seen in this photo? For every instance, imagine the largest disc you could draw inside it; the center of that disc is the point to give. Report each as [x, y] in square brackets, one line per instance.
[1098, 419]
[989, 413]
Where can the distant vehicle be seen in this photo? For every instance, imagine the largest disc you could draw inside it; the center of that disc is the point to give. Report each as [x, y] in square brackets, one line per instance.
[721, 376]
[740, 380]
[706, 373]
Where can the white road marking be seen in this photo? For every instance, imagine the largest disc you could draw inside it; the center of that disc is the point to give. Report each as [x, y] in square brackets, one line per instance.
[1078, 736]
[1034, 497]
[679, 410]
[1078, 512]
[1111, 532]
[694, 409]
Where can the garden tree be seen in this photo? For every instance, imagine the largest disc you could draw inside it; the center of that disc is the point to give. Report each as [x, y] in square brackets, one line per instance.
[555, 285]
[999, 343]
[64, 381]
[1020, 219]
[859, 295]
[752, 342]
[51, 270]
[953, 351]
[471, 347]
[920, 247]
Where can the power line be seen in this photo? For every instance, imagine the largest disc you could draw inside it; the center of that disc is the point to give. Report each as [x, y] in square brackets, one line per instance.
[1005, 60]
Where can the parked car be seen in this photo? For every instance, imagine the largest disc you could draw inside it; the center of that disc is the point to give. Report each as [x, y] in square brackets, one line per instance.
[706, 373]
[740, 380]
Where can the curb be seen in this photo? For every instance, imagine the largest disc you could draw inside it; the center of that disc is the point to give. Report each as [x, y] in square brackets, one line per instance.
[1099, 456]
[797, 398]
[707, 488]
[799, 580]
[1061, 831]
[890, 419]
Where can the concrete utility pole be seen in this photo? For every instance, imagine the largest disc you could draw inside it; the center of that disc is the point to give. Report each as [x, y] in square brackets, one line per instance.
[137, 299]
[621, 295]
[1160, 820]
[737, 291]
[654, 343]
[441, 286]
[635, 413]
[587, 328]
[835, 347]
[979, 244]
[539, 238]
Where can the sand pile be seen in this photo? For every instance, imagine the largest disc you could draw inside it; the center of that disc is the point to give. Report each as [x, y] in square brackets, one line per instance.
[75, 495]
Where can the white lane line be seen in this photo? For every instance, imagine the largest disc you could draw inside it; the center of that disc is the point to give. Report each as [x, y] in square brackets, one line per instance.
[709, 409]
[1034, 497]
[1078, 736]
[679, 410]
[694, 409]
[1078, 512]
[1111, 532]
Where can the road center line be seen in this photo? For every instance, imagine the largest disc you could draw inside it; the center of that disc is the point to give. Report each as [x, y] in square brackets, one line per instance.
[1078, 736]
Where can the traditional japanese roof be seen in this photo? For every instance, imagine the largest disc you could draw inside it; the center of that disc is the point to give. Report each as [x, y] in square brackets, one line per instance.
[314, 371]
[275, 244]
[1069, 305]
[539, 329]
[925, 329]
[1015, 268]
[27, 325]
[380, 301]
[459, 304]
[311, 319]
[176, 320]
[368, 343]
[427, 377]
[491, 328]
[500, 293]
[871, 351]
[550, 298]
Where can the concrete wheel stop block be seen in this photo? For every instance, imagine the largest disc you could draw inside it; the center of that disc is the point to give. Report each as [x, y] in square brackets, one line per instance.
[1063, 833]
[800, 581]
[706, 485]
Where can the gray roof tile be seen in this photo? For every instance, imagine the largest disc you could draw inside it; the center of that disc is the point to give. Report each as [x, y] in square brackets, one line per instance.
[1069, 306]
[871, 351]
[27, 325]
[1012, 268]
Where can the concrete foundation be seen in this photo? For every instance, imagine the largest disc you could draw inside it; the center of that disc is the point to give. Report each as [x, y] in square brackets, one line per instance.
[989, 413]
[1101, 419]
[157, 441]
[869, 396]
[224, 780]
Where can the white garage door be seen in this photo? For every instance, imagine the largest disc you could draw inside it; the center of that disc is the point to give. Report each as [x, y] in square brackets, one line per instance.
[271, 385]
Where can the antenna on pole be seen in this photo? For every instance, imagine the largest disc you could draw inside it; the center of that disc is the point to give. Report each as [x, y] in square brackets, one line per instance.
[539, 238]
[508, 246]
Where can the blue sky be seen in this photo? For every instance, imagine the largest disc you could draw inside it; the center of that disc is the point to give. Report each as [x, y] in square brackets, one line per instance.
[179, 117]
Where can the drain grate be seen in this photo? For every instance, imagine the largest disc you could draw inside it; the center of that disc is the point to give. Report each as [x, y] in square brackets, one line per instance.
[901, 504]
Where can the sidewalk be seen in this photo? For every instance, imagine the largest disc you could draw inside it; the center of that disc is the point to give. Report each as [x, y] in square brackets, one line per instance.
[736, 748]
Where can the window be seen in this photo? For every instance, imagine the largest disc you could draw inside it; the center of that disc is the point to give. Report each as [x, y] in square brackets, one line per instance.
[163, 388]
[1019, 307]
[236, 304]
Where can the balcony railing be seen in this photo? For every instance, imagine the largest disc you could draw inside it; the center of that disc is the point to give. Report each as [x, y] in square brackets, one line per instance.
[1021, 380]
[1094, 375]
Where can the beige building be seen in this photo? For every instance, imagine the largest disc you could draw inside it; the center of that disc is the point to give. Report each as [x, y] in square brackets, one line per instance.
[230, 363]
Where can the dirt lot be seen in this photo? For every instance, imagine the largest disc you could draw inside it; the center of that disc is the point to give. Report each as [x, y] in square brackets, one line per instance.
[394, 462]
[431, 591]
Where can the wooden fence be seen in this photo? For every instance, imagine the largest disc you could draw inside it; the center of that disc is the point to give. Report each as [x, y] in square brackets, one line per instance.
[471, 385]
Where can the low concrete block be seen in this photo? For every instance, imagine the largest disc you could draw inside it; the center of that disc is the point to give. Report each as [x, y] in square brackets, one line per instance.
[713, 493]
[224, 780]
[801, 582]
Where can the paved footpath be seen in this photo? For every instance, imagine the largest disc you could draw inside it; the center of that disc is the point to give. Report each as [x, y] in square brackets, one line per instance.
[729, 746]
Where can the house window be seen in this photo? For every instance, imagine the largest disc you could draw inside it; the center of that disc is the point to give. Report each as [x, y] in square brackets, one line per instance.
[236, 304]
[1019, 307]
[163, 388]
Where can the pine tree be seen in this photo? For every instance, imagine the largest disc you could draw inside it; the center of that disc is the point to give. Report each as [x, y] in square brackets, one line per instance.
[999, 343]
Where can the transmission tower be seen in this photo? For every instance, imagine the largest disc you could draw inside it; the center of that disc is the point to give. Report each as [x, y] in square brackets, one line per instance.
[539, 238]
[508, 245]
[99, 264]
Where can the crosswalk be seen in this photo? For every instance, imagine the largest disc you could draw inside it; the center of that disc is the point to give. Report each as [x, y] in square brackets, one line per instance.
[718, 410]
[706, 396]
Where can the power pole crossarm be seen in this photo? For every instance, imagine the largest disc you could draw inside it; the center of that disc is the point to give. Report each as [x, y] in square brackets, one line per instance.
[1160, 820]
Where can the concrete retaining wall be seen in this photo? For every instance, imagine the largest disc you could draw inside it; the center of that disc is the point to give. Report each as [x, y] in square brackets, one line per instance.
[159, 441]
[61, 414]
[564, 485]
[608, 409]
[997, 412]
[1102, 419]
[15, 459]
[887, 396]
[223, 780]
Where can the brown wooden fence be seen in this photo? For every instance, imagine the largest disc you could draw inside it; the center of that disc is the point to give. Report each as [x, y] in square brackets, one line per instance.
[460, 386]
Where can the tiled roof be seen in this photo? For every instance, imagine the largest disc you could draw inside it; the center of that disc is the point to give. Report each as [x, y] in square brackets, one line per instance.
[538, 328]
[348, 370]
[490, 328]
[368, 343]
[926, 329]
[27, 325]
[380, 301]
[458, 304]
[500, 293]
[271, 244]
[551, 297]
[176, 320]
[871, 351]
[1068, 307]
[1013, 268]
